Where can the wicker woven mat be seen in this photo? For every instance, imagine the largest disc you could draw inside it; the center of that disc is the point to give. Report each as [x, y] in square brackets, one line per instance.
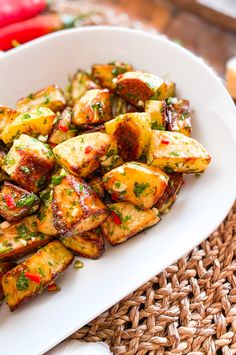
[190, 308]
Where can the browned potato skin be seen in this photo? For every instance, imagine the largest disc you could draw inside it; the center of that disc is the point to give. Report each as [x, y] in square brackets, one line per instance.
[51, 97]
[18, 211]
[4, 267]
[93, 107]
[11, 242]
[7, 115]
[76, 207]
[105, 73]
[179, 116]
[176, 180]
[52, 260]
[133, 221]
[88, 245]
[59, 134]
[80, 83]
[97, 185]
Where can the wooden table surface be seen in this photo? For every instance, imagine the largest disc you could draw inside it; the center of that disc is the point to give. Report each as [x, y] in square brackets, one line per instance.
[205, 39]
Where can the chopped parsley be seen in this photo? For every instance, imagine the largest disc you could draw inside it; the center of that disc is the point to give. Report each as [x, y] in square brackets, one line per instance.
[27, 200]
[25, 169]
[139, 188]
[25, 116]
[22, 282]
[47, 99]
[56, 180]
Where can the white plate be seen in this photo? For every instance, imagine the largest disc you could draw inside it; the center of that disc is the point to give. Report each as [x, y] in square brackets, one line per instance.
[202, 203]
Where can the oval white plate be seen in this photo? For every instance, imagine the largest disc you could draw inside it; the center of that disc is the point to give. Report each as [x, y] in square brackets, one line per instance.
[202, 203]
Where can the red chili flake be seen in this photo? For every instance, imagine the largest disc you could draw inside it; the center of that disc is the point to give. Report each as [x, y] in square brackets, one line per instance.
[88, 149]
[53, 287]
[35, 277]
[52, 145]
[114, 196]
[10, 201]
[116, 218]
[165, 141]
[63, 127]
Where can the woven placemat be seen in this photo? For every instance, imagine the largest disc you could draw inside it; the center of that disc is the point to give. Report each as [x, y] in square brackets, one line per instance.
[189, 308]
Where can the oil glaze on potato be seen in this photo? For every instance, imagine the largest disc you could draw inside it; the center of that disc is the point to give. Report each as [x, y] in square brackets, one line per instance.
[105, 73]
[63, 129]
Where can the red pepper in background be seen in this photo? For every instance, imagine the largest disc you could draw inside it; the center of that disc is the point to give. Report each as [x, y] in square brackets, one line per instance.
[12, 11]
[9, 201]
[38, 26]
[35, 277]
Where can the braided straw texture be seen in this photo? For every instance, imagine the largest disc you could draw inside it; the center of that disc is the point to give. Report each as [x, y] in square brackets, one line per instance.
[190, 308]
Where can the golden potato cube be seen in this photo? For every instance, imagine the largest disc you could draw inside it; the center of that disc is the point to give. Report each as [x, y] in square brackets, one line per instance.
[76, 207]
[105, 73]
[29, 278]
[21, 238]
[138, 183]
[80, 83]
[132, 132]
[169, 196]
[80, 155]
[137, 87]
[7, 115]
[63, 129]
[45, 216]
[125, 220]
[179, 116]
[4, 267]
[157, 111]
[92, 108]
[51, 97]
[37, 122]
[88, 245]
[16, 202]
[29, 163]
[174, 152]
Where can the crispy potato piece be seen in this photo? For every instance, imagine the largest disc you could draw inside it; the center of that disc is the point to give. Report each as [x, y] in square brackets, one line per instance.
[51, 97]
[80, 155]
[132, 132]
[7, 115]
[96, 184]
[158, 114]
[136, 87]
[112, 158]
[37, 122]
[125, 220]
[105, 73]
[45, 216]
[4, 267]
[45, 265]
[169, 196]
[89, 245]
[76, 207]
[92, 108]
[175, 152]
[80, 83]
[63, 128]
[21, 238]
[16, 202]
[138, 183]
[179, 116]
[29, 163]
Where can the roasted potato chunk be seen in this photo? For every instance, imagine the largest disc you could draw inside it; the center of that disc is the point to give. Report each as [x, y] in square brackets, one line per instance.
[80, 83]
[170, 194]
[16, 202]
[125, 220]
[89, 245]
[136, 87]
[132, 132]
[119, 106]
[29, 278]
[29, 163]
[45, 216]
[76, 207]
[158, 114]
[105, 73]
[80, 155]
[4, 267]
[97, 186]
[175, 152]
[92, 108]
[179, 116]
[63, 128]
[37, 122]
[7, 115]
[21, 238]
[138, 183]
[51, 97]
[112, 158]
